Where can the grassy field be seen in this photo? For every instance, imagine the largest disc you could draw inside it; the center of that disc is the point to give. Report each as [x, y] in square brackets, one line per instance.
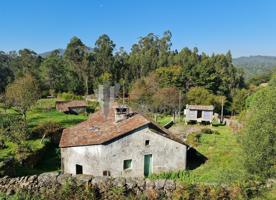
[224, 162]
[44, 111]
[39, 116]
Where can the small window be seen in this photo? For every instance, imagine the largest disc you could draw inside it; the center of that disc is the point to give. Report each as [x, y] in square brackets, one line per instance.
[78, 169]
[106, 173]
[147, 142]
[127, 164]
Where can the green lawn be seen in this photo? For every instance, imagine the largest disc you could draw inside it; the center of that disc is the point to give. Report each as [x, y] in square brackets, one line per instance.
[224, 162]
[39, 116]
[224, 157]
[44, 111]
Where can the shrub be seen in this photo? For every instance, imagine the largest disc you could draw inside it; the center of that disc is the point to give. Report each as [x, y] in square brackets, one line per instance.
[204, 192]
[92, 106]
[20, 196]
[23, 151]
[68, 96]
[177, 175]
[207, 131]
[51, 129]
[2, 144]
[115, 193]
[216, 122]
[193, 138]
[45, 104]
[70, 190]
[258, 138]
[14, 128]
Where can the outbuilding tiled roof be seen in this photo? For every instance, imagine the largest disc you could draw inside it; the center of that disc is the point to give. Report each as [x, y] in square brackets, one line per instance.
[63, 106]
[100, 130]
[199, 107]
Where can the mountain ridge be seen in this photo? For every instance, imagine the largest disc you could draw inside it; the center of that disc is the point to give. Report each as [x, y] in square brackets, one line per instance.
[254, 65]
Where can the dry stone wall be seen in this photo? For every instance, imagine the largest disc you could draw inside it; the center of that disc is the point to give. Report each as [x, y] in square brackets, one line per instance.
[138, 187]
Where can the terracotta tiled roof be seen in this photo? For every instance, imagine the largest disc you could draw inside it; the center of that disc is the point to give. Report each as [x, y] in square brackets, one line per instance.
[199, 107]
[100, 130]
[64, 106]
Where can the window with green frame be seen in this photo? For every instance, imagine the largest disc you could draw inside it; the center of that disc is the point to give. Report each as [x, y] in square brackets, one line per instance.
[127, 164]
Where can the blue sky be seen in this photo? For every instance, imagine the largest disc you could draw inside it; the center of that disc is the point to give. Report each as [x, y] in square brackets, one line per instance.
[245, 27]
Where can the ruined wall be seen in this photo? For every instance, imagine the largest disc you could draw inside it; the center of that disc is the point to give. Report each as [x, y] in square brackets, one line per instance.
[167, 155]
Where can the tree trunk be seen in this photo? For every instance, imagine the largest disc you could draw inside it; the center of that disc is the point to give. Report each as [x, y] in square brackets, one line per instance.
[221, 113]
[179, 106]
[86, 86]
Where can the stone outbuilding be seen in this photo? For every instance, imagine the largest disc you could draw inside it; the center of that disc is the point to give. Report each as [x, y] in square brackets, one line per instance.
[120, 143]
[199, 113]
[73, 107]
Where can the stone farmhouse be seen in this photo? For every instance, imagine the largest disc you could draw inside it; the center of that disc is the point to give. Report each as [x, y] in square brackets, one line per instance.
[121, 143]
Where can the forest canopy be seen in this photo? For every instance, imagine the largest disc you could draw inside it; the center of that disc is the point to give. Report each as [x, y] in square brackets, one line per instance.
[151, 63]
[82, 67]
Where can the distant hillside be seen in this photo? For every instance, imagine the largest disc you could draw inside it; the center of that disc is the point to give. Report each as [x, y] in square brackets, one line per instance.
[61, 51]
[254, 65]
[47, 53]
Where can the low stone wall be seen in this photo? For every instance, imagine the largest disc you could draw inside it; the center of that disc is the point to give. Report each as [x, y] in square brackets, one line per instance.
[138, 187]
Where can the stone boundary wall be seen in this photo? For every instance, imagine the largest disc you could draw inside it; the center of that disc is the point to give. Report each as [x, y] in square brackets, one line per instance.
[37, 184]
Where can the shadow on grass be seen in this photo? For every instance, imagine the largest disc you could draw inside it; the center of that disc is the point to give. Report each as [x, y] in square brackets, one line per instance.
[50, 162]
[195, 159]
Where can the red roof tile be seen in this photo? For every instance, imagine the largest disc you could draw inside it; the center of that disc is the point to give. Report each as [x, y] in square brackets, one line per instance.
[98, 129]
[199, 107]
[63, 106]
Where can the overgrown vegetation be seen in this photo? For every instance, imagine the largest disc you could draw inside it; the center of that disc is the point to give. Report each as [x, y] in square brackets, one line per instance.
[43, 121]
[258, 142]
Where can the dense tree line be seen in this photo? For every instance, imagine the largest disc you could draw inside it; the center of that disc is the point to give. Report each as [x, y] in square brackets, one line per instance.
[82, 68]
[259, 132]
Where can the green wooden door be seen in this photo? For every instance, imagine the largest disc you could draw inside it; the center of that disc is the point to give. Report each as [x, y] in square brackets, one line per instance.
[148, 164]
